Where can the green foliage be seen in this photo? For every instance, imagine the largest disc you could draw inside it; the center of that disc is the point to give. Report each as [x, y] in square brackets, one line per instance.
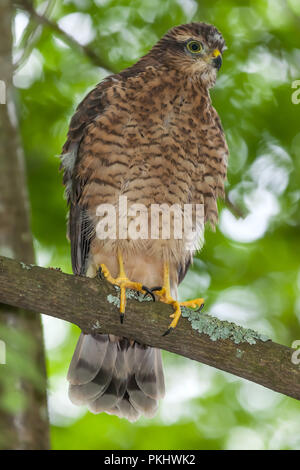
[248, 271]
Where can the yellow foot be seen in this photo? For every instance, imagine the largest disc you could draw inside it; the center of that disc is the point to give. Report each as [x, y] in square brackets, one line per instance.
[124, 283]
[167, 299]
[165, 296]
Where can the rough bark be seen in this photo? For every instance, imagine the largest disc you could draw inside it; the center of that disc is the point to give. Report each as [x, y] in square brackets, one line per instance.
[23, 414]
[91, 304]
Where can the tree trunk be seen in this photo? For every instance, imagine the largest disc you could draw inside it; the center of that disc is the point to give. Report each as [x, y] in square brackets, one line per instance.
[23, 402]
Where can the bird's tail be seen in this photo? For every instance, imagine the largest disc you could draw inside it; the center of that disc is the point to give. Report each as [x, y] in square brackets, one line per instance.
[116, 375]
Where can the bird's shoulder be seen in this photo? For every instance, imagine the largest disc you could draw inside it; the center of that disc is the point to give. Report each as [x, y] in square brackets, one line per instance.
[109, 91]
[88, 109]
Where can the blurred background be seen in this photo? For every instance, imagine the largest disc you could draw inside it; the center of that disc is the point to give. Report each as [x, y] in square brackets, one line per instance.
[248, 271]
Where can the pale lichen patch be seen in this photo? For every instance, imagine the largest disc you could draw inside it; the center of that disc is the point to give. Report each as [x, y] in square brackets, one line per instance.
[112, 299]
[96, 325]
[26, 266]
[130, 294]
[218, 329]
[239, 353]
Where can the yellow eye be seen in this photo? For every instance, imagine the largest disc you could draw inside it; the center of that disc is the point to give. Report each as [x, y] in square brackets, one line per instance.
[194, 46]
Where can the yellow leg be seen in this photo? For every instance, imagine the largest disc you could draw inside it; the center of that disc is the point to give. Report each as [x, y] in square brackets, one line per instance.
[124, 283]
[165, 296]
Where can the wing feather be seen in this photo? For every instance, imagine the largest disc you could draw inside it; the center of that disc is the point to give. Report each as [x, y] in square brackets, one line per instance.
[80, 226]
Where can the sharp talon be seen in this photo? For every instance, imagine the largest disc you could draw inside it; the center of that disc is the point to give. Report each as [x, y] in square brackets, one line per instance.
[148, 292]
[100, 273]
[169, 330]
[200, 308]
[121, 318]
[153, 289]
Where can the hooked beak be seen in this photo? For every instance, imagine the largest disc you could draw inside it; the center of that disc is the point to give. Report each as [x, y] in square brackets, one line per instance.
[217, 59]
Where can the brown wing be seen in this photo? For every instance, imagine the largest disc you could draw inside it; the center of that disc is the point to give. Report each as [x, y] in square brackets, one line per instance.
[80, 227]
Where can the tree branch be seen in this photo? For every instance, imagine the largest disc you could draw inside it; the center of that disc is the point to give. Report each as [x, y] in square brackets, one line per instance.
[91, 304]
[31, 35]
[69, 40]
[234, 209]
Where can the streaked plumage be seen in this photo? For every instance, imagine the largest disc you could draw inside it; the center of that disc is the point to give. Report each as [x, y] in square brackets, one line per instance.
[149, 133]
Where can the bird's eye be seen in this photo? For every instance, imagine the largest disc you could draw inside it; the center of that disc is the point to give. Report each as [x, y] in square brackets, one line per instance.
[194, 46]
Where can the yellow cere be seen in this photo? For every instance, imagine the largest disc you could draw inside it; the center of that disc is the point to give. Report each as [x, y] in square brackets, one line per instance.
[216, 53]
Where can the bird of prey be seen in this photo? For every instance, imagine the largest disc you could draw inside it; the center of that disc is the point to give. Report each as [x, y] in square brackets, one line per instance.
[150, 134]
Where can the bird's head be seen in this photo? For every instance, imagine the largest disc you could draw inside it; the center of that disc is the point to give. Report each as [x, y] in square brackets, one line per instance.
[194, 49]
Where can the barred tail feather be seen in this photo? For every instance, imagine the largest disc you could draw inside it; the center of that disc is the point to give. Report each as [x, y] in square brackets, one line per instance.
[117, 376]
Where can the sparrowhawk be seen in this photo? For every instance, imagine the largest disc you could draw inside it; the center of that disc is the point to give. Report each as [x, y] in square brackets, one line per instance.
[150, 134]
